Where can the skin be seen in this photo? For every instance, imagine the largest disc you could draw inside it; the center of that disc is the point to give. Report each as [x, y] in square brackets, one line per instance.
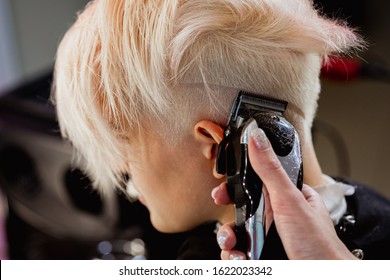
[303, 224]
[168, 187]
[175, 181]
[170, 177]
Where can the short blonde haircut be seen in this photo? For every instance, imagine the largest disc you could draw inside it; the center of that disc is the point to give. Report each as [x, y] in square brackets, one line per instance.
[128, 62]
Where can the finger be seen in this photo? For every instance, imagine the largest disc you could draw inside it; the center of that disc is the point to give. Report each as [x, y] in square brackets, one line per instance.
[308, 192]
[232, 255]
[220, 195]
[267, 165]
[267, 210]
[225, 237]
[313, 197]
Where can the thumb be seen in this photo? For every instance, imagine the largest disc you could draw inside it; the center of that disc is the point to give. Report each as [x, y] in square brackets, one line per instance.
[267, 165]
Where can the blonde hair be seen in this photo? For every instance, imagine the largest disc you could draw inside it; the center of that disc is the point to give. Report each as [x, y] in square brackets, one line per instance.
[128, 62]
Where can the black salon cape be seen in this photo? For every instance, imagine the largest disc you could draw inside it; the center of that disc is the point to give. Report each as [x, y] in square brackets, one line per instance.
[201, 244]
[371, 231]
[368, 230]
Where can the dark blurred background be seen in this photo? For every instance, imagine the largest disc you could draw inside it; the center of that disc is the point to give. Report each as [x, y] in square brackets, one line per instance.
[49, 211]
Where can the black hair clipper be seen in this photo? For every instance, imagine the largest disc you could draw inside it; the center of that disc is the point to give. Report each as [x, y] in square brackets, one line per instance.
[244, 185]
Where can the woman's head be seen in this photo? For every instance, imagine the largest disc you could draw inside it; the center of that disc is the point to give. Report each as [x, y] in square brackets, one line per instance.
[134, 80]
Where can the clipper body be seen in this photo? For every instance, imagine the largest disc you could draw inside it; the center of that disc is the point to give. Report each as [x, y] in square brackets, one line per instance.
[244, 185]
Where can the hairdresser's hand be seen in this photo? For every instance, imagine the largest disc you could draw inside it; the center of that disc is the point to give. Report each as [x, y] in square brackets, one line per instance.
[301, 218]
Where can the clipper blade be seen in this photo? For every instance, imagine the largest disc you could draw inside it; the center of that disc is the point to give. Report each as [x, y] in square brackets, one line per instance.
[247, 101]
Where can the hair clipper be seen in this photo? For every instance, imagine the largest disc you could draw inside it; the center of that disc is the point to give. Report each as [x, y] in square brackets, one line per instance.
[244, 186]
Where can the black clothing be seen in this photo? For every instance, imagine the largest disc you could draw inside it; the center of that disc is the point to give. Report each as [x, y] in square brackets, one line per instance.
[200, 245]
[365, 226]
[370, 228]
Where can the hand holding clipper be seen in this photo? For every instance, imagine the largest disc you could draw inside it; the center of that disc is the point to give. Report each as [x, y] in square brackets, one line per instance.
[243, 184]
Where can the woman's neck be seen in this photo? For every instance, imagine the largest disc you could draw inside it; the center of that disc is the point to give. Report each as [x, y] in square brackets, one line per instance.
[312, 172]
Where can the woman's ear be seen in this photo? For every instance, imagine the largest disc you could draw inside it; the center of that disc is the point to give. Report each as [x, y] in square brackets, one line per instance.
[209, 134]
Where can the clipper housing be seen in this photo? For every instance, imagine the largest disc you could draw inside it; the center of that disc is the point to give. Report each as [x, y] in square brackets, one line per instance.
[245, 187]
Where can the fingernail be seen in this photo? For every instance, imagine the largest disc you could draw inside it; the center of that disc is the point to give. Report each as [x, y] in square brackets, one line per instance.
[236, 256]
[260, 139]
[221, 239]
[214, 191]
